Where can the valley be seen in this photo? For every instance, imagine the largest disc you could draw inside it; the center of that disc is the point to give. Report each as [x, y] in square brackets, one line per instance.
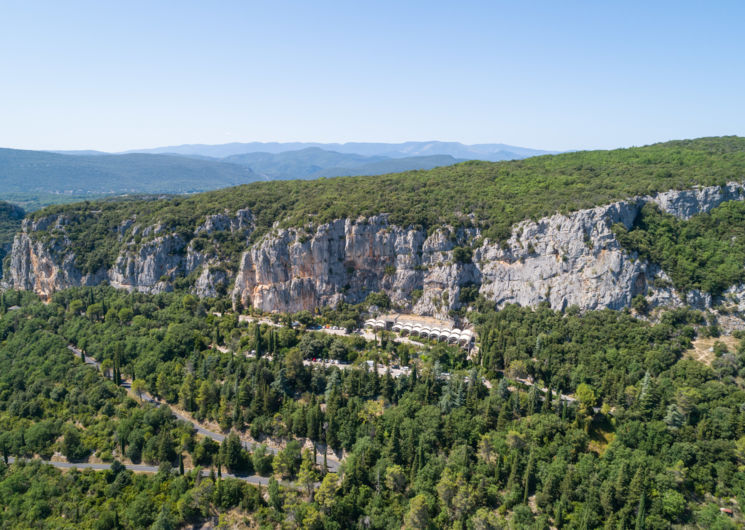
[317, 348]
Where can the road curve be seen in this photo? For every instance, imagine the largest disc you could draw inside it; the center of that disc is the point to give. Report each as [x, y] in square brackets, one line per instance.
[332, 464]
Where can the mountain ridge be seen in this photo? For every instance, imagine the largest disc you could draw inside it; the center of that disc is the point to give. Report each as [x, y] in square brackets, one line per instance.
[489, 152]
[38, 178]
[529, 231]
[29, 173]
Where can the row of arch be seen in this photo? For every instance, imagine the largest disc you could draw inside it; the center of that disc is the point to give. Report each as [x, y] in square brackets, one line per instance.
[453, 336]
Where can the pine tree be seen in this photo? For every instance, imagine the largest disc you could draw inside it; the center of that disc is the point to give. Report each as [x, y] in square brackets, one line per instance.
[503, 390]
[674, 418]
[646, 395]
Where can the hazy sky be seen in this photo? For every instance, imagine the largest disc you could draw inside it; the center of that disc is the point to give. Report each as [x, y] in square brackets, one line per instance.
[555, 75]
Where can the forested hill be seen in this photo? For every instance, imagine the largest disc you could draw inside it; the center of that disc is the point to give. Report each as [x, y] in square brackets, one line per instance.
[26, 175]
[497, 194]
[10, 221]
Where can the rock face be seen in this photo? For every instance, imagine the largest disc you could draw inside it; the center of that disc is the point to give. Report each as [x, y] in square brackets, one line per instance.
[44, 267]
[348, 259]
[150, 267]
[564, 260]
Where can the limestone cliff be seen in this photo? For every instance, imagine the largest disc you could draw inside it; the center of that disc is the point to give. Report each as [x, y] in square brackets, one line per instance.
[564, 260]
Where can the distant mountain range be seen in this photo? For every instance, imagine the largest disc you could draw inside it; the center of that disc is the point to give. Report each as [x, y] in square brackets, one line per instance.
[38, 178]
[491, 152]
[314, 162]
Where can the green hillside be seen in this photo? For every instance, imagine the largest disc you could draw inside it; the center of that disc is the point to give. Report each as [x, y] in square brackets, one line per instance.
[706, 252]
[10, 221]
[498, 193]
[622, 429]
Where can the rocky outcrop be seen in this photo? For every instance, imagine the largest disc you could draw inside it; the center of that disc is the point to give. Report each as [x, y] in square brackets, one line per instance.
[150, 265]
[564, 260]
[45, 266]
[348, 259]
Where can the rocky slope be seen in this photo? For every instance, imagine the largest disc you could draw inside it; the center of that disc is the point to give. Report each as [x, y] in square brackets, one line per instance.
[564, 260]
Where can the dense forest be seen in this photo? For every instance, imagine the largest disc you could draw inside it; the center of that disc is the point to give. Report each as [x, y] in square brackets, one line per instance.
[706, 252]
[490, 195]
[10, 222]
[561, 419]
[558, 419]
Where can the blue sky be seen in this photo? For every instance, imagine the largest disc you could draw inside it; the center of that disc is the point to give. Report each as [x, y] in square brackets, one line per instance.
[553, 75]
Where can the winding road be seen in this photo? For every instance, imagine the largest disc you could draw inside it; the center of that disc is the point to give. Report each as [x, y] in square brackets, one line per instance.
[332, 463]
[142, 468]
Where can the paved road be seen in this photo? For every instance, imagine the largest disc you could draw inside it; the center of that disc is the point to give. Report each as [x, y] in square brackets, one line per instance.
[143, 468]
[332, 463]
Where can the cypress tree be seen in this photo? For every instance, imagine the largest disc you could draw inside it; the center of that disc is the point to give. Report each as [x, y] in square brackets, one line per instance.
[528, 479]
[547, 401]
[394, 445]
[257, 339]
[513, 472]
[532, 398]
[516, 403]
[640, 515]
[498, 470]
[503, 418]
